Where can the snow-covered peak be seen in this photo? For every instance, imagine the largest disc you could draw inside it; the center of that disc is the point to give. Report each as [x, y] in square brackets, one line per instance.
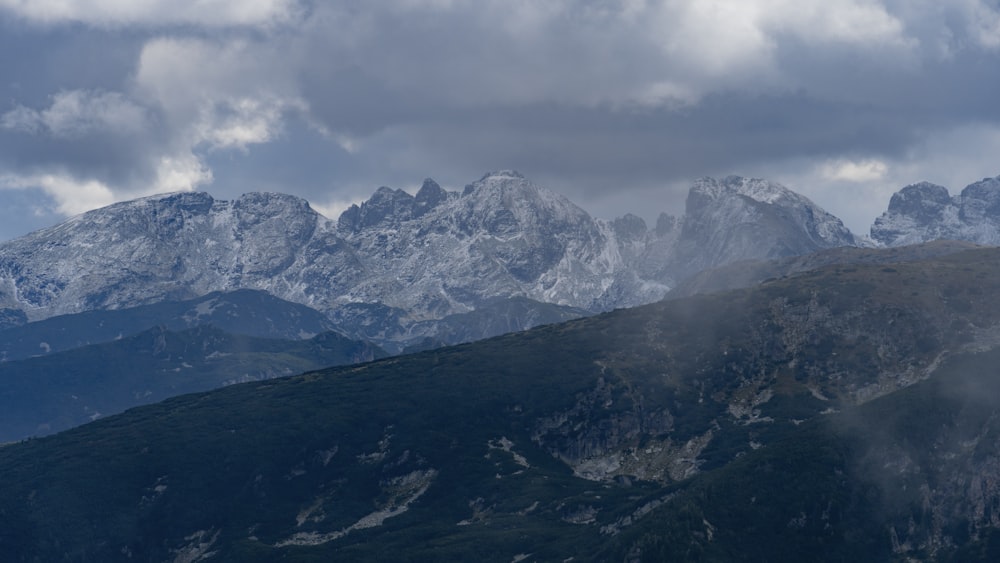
[980, 201]
[502, 175]
[756, 189]
[509, 191]
[922, 195]
[924, 212]
[398, 260]
[139, 213]
[740, 218]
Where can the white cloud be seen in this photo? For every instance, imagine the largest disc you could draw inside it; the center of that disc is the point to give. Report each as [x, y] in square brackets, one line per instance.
[714, 45]
[239, 122]
[73, 196]
[76, 113]
[713, 38]
[235, 94]
[198, 96]
[155, 13]
[867, 170]
[178, 173]
[864, 23]
[984, 22]
[70, 195]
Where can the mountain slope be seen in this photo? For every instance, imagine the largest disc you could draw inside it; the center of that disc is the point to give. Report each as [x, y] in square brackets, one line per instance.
[907, 477]
[752, 272]
[43, 395]
[247, 312]
[700, 427]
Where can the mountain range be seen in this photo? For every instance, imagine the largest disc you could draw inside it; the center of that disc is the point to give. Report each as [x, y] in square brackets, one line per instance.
[408, 272]
[400, 269]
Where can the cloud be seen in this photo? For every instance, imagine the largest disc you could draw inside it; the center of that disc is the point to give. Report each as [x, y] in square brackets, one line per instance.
[187, 98]
[591, 53]
[156, 13]
[985, 25]
[77, 113]
[72, 196]
[866, 170]
[237, 123]
[633, 98]
[235, 93]
[180, 172]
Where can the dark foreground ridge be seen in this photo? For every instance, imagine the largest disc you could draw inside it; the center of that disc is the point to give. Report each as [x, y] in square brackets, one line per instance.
[843, 413]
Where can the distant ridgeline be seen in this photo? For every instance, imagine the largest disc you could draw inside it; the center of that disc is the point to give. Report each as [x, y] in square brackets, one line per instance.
[441, 267]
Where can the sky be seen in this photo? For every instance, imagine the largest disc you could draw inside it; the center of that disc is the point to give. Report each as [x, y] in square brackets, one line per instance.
[618, 105]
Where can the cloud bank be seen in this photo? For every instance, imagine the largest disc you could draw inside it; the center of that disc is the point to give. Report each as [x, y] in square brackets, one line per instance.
[619, 105]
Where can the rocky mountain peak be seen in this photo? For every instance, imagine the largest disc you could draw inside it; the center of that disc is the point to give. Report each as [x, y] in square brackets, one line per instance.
[507, 204]
[386, 206]
[923, 200]
[757, 189]
[925, 212]
[740, 218]
[498, 181]
[630, 227]
[503, 175]
[665, 224]
[258, 207]
[980, 201]
[428, 197]
[914, 212]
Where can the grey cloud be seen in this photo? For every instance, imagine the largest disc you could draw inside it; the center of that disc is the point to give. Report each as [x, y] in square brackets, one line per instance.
[78, 113]
[90, 135]
[724, 132]
[531, 97]
[590, 97]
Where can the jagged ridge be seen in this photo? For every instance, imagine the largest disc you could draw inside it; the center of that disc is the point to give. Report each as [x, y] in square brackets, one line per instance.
[392, 266]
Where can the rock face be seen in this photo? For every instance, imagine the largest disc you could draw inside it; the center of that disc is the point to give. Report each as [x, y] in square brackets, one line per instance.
[175, 246]
[391, 268]
[740, 218]
[924, 212]
[436, 254]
